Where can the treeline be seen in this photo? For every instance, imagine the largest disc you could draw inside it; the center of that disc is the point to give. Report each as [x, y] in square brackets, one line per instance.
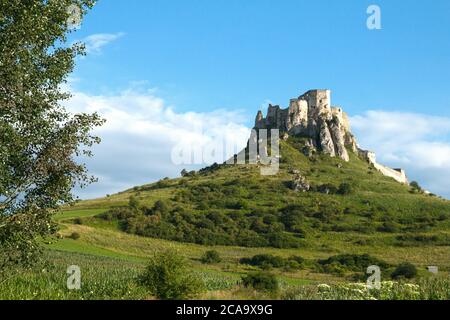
[254, 229]
[236, 221]
[354, 264]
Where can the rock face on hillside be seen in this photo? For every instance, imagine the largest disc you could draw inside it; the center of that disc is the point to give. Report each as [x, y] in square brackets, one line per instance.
[312, 115]
[328, 128]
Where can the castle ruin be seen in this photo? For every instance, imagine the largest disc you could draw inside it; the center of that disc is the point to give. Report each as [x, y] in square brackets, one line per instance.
[327, 128]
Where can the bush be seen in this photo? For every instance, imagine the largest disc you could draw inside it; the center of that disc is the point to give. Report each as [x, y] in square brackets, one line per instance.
[75, 236]
[297, 259]
[328, 188]
[405, 270]
[117, 213]
[415, 186]
[350, 262]
[133, 202]
[261, 281]
[345, 189]
[264, 261]
[419, 239]
[160, 206]
[389, 227]
[168, 277]
[267, 261]
[335, 268]
[185, 173]
[211, 256]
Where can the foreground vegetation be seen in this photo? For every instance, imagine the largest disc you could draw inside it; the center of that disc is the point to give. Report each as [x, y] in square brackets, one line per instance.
[109, 278]
[236, 206]
[244, 236]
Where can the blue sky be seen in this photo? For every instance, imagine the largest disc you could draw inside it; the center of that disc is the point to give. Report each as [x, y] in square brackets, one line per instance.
[237, 54]
[234, 55]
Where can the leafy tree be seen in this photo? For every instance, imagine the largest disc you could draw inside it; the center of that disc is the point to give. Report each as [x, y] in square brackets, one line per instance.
[168, 277]
[40, 141]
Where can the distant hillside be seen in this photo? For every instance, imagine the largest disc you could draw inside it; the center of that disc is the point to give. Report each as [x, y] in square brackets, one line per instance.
[328, 213]
[349, 202]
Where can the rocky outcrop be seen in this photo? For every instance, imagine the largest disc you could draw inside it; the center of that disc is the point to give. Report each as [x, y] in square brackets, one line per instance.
[311, 115]
[309, 149]
[327, 129]
[299, 184]
[325, 139]
[338, 135]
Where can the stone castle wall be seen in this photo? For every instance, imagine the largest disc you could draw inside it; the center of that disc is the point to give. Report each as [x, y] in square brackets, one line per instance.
[311, 115]
[396, 174]
[328, 127]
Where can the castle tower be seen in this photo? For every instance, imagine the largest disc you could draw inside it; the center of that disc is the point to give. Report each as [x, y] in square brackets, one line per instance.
[328, 128]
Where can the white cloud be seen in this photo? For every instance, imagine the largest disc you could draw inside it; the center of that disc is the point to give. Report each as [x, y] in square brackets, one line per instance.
[95, 42]
[142, 131]
[416, 142]
[140, 134]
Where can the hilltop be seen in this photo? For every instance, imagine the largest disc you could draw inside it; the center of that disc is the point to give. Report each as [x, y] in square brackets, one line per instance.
[322, 218]
[326, 187]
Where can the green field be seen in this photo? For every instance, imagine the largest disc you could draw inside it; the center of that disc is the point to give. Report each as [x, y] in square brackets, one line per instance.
[111, 256]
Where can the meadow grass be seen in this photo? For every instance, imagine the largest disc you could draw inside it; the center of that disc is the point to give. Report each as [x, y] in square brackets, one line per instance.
[111, 259]
[101, 278]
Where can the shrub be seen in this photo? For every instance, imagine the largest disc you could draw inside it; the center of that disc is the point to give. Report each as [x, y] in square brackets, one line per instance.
[261, 281]
[237, 204]
[292, 218]
[283, 240]
[133, 202]
[297, 259]
[345, 189]
[415, 186]
[160, 206]
[267, 261]
[418, 239]
[335, 268]
[117, 213]
[211, 256]
[264, 261]
[351, 262]
[185, 173]
[75, 236]
[327, 189]
[405, 270]
[389, 227]
[168, 277]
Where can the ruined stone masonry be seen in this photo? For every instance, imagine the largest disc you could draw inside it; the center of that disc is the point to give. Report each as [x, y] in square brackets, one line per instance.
[397, 174]
[311, 115]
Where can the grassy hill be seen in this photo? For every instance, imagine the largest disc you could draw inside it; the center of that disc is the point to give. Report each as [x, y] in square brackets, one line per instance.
[235, 205]
[351, 209]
